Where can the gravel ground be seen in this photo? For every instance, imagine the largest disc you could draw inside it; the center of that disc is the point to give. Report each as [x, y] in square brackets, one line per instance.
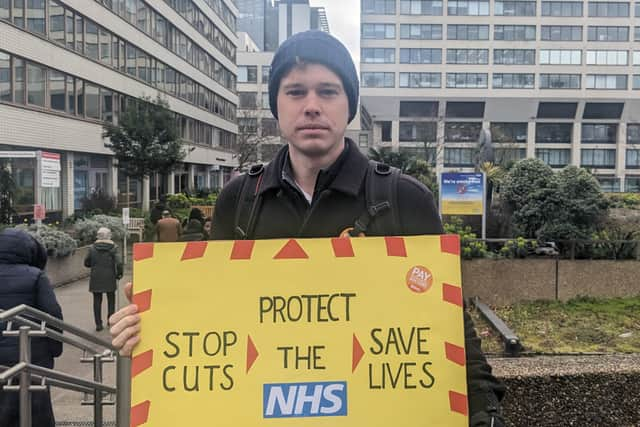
[589, 391]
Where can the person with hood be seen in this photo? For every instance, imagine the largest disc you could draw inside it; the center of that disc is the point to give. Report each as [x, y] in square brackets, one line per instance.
[23, 281]
[105, 263]
[194, 231]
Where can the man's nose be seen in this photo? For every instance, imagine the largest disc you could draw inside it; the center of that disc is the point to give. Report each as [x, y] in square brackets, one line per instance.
[312, 105]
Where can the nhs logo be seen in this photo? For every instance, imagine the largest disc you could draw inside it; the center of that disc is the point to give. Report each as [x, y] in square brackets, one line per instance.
[318, 399]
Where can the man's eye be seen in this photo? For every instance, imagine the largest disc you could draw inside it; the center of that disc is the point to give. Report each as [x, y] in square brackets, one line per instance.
[295, 92]
[328, 92]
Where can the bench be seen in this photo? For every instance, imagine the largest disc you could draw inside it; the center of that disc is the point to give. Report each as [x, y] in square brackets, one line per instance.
[136, 226]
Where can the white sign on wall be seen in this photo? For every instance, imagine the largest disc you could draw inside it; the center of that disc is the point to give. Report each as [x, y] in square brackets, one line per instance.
[50, 170]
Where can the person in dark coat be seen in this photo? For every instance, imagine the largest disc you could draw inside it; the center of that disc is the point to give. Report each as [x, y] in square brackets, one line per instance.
[194, 231]
[104, 261]
[23, 281]
[315, 186]
[156, 213]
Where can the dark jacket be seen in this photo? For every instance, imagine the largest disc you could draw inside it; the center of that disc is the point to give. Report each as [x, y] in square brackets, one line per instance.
[194, 231]
[338, 200]
[104, 261]
[22, 281]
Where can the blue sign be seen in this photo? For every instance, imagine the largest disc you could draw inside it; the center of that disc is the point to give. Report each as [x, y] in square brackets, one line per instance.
[461, 193]
[315, 399]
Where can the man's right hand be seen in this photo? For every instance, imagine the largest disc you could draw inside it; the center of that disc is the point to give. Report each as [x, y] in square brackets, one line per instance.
[125, 325]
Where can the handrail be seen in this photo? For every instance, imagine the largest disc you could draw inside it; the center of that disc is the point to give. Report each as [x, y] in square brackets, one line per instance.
[27, 372]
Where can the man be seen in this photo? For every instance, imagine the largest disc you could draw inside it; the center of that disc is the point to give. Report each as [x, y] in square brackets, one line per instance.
[168, 229]
[316, 186]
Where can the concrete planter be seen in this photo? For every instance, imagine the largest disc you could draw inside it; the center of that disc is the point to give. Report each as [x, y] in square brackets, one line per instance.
[506, 281]
[67, 269]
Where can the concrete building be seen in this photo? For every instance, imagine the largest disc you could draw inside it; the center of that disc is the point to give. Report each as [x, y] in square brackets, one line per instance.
[557, 80]
[67, 66]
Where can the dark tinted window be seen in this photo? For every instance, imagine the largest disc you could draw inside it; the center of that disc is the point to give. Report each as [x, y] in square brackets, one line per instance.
[555, 110]
[603, 110]
[465, 109]
[418, 109]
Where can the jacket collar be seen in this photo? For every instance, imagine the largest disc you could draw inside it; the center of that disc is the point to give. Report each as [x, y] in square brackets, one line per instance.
[344, 175]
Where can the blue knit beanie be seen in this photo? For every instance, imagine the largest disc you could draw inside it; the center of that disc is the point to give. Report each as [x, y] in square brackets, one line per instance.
[315, 47]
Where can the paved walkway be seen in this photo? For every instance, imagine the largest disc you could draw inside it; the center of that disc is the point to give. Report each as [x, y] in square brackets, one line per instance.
[77, 309]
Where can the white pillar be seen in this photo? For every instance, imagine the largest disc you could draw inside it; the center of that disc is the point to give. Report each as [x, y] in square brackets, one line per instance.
[192, 175]
[145, 193]
[621, 153]
[531, 140]
[171, 185]
[207, 177]
[113, 177]
[67, 185]
[575, 144]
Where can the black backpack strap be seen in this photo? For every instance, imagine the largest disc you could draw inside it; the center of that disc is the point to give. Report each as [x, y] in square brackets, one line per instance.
[248, 202]
[381, 198]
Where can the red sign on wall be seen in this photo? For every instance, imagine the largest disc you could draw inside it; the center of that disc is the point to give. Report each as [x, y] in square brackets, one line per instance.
[38, 212]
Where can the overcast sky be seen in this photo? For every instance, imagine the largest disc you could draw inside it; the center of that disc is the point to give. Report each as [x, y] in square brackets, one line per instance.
[344, 20]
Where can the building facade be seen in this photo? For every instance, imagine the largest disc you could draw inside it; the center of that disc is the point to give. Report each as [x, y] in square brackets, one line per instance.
[68, 66]
[557, 80]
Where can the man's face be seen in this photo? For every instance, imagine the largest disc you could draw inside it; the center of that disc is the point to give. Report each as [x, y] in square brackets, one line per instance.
[313, 110]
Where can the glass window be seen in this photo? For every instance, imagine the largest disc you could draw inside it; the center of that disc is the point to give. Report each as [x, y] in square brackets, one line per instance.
[633, 134]
[69, 30]
[636, 81]
[269, 127]
[91, 40]
[79, 97]
[513, 81]
[418, 131]
[467, 32]
[385, 128]
[458, 157]
[36, 84]
[266, 70]
[143, 63]
[92, 101]
[105, 46]
[560, 57]
[421, 7]
[378, 7]
[35, 16]
[554, 133]
[561, 33]
[514, 56]
[265, 101]
[421, 31]
[79, 33]
[632, 183]
[468, 8]
[599, 133]
[515, 8]
[598, 158]
[71, 95]
[56, 22]
[420, 109]
[420, 56]
[377, 79]
[465, 109]
[514, 32]
[633, 159]
[602, 110]
[378, 31]
[636, 57]
[378, 55]
[18, 13]
[57, 91]
[559, 81]
[5, 77]
[420, 80]
[467, 80]
[509, 132]
[132, 54]
[247, 99]
[607, 57]
[5, 9]
[18, 80]
[106, 105]
[467, 56]
[554, 157]
[557, 110]
[608, 34]
[462, 131]
[363, 140]
[606, 81]
[608, 9]
[247, 74]
[562, 8]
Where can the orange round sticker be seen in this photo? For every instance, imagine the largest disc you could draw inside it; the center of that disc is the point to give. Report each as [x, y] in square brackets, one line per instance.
[419, 279]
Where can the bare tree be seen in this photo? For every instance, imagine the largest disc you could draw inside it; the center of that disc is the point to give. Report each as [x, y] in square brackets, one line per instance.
[251, 134]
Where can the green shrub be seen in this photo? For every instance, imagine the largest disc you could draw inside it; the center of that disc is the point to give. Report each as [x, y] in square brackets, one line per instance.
[86, 229]
[57, 243]
[624, 200]
[470, 247]
[177, 201]
[517, 248]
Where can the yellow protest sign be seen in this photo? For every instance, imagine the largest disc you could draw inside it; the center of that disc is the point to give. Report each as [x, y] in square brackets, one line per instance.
[306, 332]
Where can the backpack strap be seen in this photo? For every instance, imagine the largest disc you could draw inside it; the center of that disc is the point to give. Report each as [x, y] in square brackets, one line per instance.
[249, 202]
[381, 198]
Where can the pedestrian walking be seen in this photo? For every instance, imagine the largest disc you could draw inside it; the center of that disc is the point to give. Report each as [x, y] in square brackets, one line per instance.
[168, 229]
[106, 269]
[23, 281]
[194, 231]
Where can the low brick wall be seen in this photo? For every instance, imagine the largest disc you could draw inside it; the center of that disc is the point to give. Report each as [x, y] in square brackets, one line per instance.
[61, 271]
[505, 281]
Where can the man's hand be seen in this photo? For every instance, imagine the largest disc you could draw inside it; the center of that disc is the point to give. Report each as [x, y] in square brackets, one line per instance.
[125, 325]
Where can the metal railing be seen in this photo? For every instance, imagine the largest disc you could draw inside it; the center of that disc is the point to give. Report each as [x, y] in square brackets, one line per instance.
[28, 375]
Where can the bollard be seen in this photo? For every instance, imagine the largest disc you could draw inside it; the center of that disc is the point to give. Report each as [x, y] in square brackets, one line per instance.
[123, 385]
[25, 378]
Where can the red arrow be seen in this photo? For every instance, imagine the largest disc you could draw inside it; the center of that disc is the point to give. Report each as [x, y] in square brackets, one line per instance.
[358, 352]
[252, 353]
